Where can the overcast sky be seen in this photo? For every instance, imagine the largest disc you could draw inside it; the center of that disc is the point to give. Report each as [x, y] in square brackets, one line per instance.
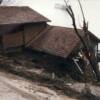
[49, 8]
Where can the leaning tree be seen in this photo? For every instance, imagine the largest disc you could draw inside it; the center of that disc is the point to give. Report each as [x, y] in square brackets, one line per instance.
[88, 50]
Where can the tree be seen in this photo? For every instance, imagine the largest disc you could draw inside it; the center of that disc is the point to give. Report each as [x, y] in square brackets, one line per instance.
[87, 47]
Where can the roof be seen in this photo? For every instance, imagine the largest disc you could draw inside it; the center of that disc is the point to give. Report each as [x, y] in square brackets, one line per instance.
[17, 15]
[95, 37]
[59, 41]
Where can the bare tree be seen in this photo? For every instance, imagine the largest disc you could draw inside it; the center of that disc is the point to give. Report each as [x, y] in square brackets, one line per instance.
[87, 46]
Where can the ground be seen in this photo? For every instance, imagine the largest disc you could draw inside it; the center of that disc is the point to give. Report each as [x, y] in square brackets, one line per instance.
[23, 78]
[13, 87]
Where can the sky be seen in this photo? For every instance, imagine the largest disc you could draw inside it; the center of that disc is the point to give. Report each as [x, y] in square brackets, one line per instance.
[51, 9]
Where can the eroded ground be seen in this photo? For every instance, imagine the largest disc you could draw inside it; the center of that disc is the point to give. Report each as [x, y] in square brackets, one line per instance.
[41, 81]
[16, 88]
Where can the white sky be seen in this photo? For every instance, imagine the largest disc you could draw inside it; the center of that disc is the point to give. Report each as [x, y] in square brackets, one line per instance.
[60, 17]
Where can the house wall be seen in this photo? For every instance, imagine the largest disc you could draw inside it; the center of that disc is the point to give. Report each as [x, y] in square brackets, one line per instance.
[4, 29]
[12, 40]
[32, 30]
[15, 39]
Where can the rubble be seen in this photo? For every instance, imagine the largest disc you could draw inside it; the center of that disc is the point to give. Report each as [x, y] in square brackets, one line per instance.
[37, 74]
[13, 87]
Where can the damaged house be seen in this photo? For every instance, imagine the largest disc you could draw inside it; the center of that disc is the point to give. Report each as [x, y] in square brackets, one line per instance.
[19, 25]
[23, 27]
[65, 44]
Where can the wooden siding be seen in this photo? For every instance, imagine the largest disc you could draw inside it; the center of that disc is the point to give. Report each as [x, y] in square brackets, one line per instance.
[12, 40]
[31, 31]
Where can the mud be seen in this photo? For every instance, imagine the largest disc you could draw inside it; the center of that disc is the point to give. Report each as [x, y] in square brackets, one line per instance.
[40, 83]
[16, 88]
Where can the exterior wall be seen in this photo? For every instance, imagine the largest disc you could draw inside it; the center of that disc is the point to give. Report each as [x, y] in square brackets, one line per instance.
[31, 31]
[12, 40]
[16, 39]
[4, 29]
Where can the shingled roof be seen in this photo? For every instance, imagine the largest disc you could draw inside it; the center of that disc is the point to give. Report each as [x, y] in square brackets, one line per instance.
[16, 15]
[59, 41]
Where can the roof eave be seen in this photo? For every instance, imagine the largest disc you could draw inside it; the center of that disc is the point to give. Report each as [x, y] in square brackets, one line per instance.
[94, 36]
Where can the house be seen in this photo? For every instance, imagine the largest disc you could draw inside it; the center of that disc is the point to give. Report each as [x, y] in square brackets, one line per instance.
[66, 45]
[19, 25]
[23, 27]
[61, 41]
